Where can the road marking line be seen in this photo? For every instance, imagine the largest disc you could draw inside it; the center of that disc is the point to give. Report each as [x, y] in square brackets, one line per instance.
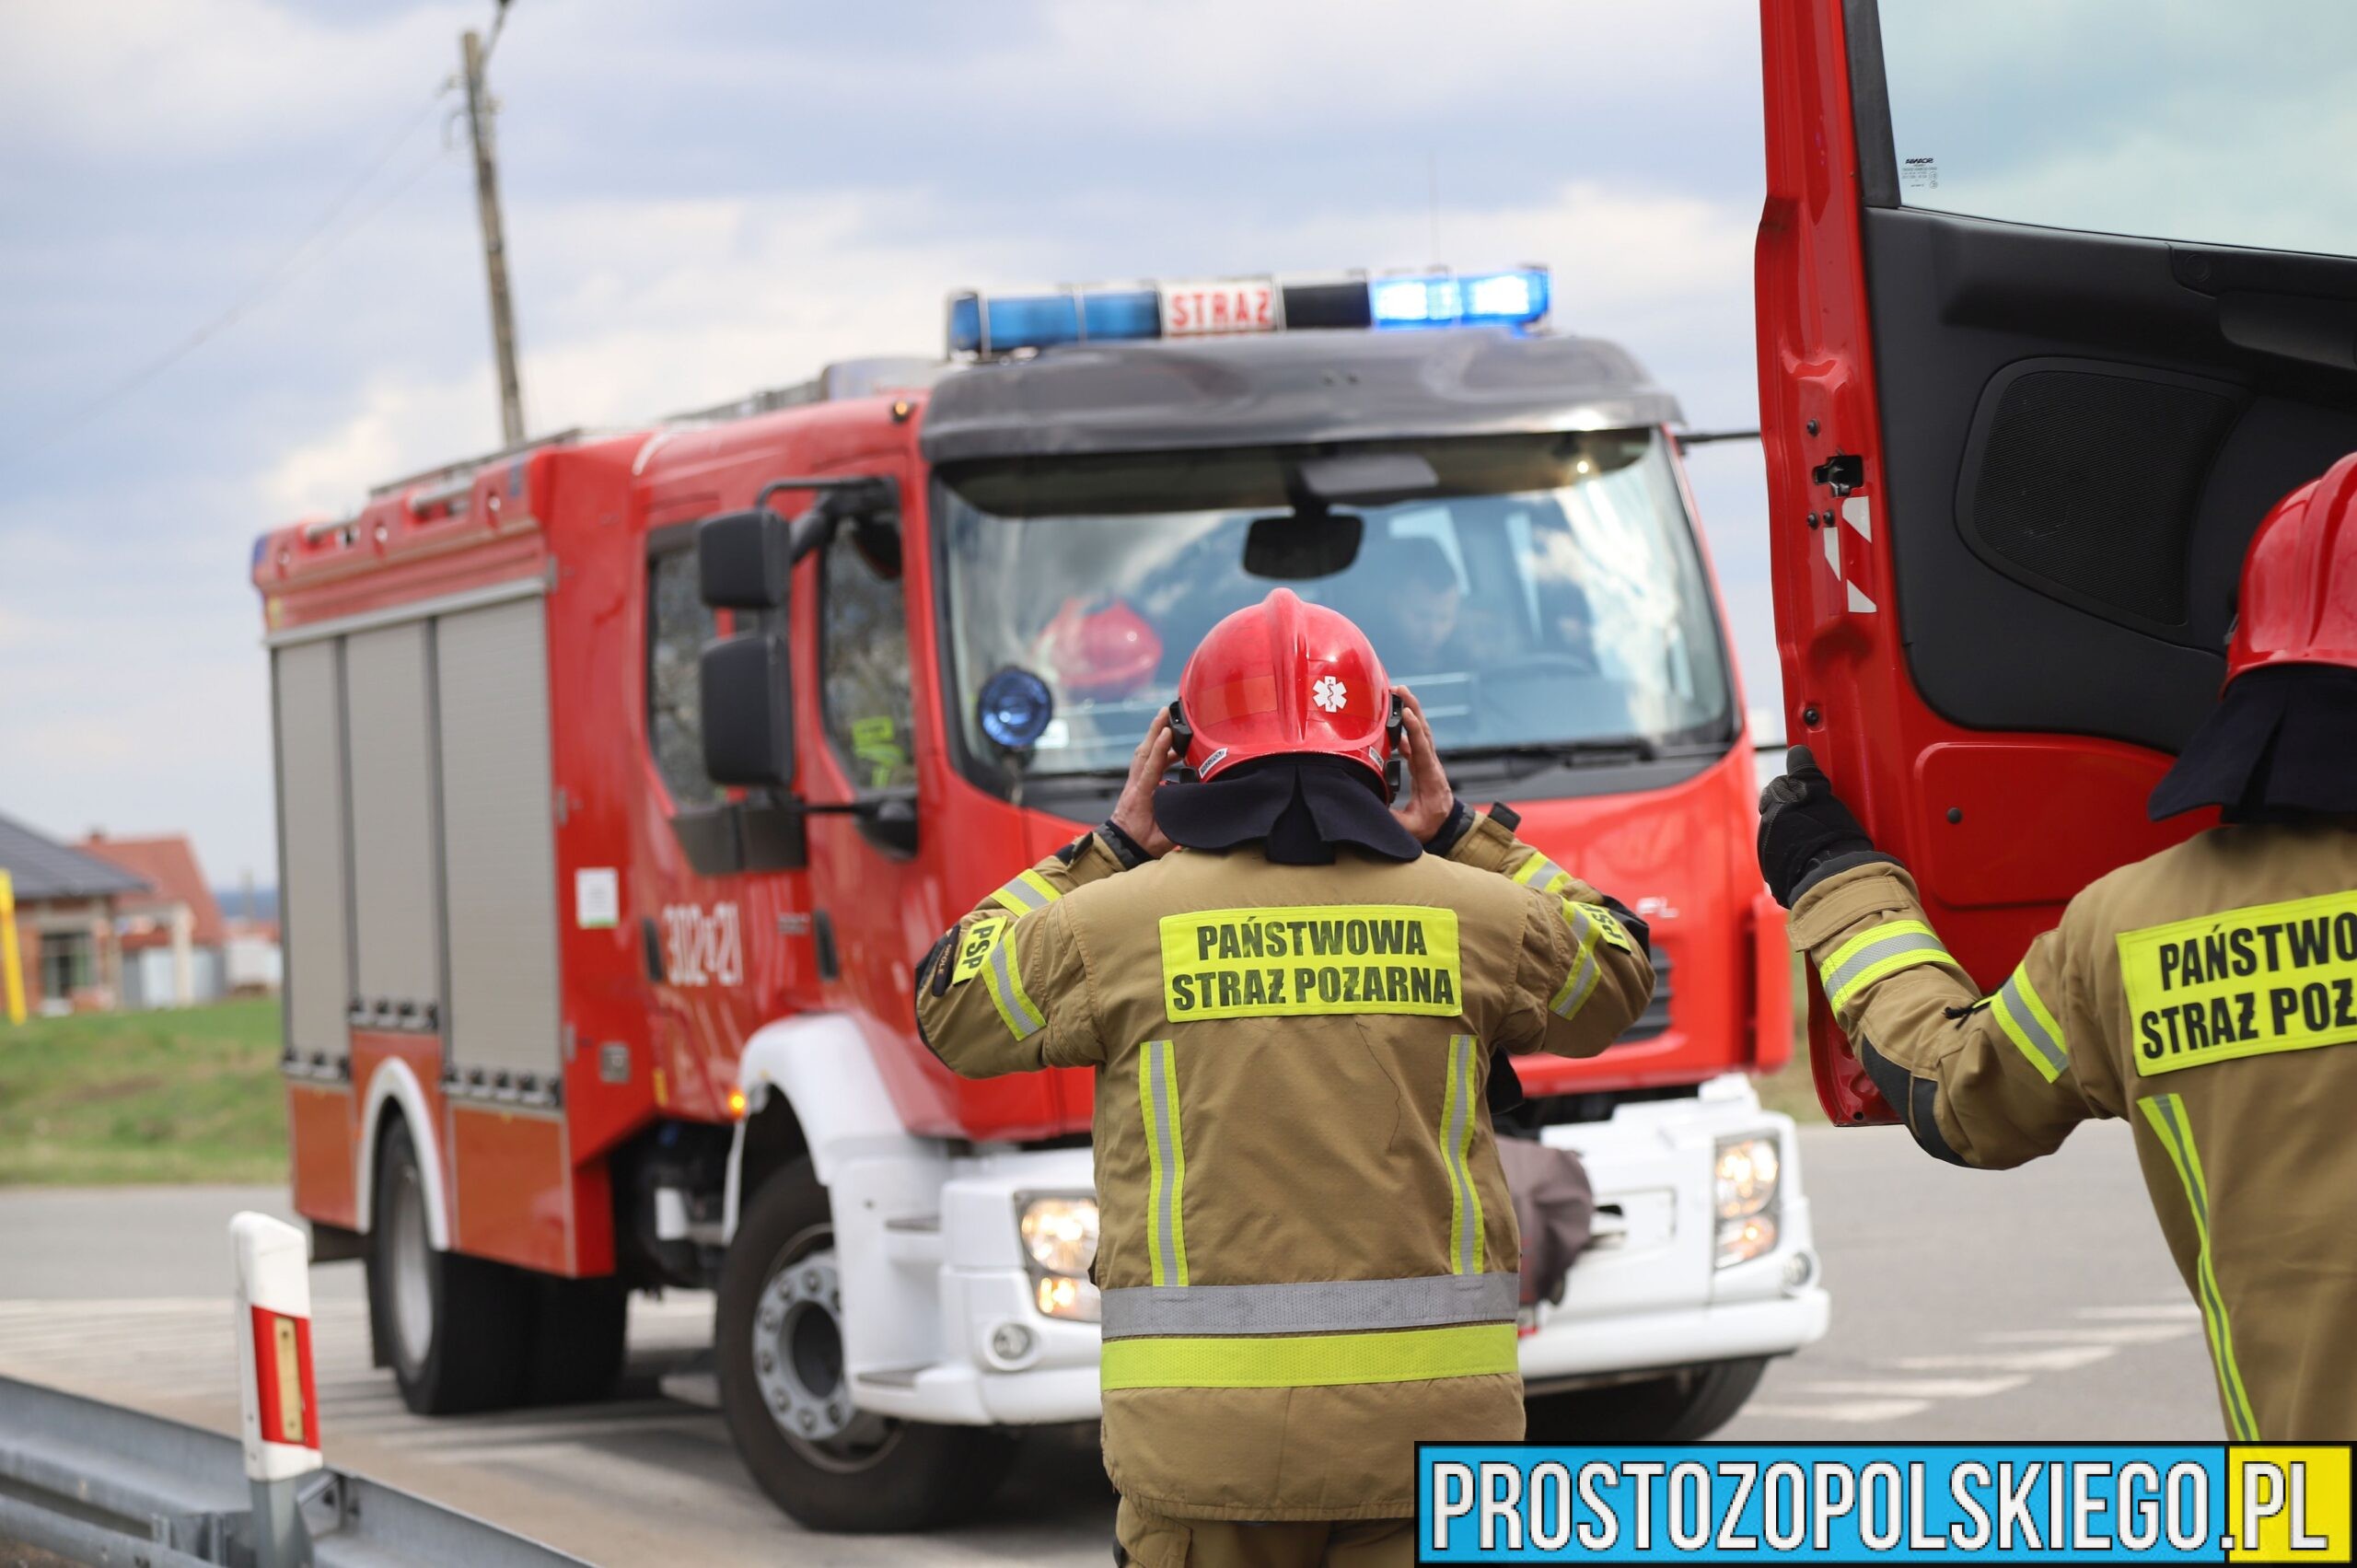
[592, 1424]
[2062, 1358]
[2120, 1334]
[1921, 1387]
[1853, 1411]
[448, 1453]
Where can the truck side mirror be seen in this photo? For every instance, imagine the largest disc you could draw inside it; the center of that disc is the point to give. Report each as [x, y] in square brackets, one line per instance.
[746, 690]
[744, 560]
[878, 540]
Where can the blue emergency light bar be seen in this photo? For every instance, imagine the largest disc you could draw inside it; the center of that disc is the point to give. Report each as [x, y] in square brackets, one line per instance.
[985, 326]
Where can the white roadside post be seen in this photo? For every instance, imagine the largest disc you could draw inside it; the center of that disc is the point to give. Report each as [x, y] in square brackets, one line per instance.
[282, 1410]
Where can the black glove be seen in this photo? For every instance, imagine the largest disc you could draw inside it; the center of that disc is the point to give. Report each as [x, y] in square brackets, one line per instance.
[1806, 833]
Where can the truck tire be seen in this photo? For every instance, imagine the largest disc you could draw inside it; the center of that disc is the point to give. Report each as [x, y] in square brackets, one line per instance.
[455, 1329]
[1685, 1406]
[579, 1328]
[778, 1349]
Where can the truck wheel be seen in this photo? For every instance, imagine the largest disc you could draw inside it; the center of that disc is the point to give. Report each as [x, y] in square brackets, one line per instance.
[1684, 1407]
[578, 1331]
[779, 1348]
[454, 1327]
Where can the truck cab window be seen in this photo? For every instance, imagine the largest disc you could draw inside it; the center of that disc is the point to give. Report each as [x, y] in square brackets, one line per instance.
[678, 623]
[1549, 595]
[864, 670]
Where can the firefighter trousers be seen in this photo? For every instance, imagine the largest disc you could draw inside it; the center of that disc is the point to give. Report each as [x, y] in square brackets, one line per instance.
[1152, 1540]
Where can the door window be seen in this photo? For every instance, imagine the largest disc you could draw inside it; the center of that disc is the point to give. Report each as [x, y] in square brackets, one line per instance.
[2185, 120]
[864, 669]
[678, 623]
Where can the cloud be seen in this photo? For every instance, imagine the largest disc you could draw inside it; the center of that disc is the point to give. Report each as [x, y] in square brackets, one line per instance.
[400, 427]
[181, 81]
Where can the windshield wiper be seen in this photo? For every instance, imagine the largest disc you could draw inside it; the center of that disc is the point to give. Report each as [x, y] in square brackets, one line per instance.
[1602, 752]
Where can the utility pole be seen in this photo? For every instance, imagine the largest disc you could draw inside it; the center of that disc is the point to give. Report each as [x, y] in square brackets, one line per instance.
[494, 245]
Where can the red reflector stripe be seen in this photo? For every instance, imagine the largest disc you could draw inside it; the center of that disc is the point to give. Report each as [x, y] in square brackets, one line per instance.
[285, 1388]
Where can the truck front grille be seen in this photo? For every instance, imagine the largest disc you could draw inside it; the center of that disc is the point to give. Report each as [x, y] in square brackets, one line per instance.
[1656, 1017]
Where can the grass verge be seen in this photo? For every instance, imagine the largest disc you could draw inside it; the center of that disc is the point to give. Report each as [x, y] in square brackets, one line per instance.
[189, 1094]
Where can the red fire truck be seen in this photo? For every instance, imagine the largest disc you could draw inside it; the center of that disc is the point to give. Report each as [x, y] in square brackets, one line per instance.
[607, 856]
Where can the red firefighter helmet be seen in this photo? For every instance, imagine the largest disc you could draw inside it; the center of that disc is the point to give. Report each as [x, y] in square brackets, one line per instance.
[2299, 587]
[1110, 651]
[1281, 677]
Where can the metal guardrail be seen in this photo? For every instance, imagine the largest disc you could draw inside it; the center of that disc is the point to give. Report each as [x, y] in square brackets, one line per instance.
[95, 1484]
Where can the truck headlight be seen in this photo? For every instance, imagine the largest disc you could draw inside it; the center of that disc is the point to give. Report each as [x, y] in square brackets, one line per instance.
[1059, 1243]
[1745, 1175]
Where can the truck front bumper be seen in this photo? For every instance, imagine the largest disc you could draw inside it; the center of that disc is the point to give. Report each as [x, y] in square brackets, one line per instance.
[1648, 1291]
[1647, 1294]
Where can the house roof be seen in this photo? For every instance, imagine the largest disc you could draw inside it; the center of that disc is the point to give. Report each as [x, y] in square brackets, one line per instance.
[168, 866]
[43, 868]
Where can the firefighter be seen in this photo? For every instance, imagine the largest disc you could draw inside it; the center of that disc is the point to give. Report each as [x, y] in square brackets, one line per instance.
[2204, 993]
[1290, 993]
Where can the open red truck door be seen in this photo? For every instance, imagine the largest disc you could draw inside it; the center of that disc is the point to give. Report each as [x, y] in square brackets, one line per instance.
[2055, 299]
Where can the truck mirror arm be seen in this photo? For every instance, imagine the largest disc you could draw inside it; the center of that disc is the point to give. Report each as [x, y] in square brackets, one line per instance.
[888, 822]
[863, 497]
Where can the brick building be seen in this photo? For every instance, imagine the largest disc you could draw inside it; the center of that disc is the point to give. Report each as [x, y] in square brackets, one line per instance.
[174, 940]
[66, 906]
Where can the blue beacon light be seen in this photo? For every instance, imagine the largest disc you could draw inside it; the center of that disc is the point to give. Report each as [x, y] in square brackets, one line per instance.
[1516, 298]
[992, 324]
[1014, 707]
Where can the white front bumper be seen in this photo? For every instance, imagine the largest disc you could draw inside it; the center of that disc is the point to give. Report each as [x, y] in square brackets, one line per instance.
[1645, 1295]
[1646, 1292]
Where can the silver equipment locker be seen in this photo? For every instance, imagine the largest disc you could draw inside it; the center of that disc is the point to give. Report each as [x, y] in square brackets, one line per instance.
[313, 892]
[388, 726]
[418, 834]
[499, 845]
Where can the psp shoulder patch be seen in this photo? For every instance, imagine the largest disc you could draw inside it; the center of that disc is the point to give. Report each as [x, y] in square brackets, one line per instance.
[1608, 927]
[974, 947]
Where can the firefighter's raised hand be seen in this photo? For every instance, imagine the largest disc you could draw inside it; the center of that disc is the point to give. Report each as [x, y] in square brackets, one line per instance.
[1805, 830]
[1430, 796]
[1134, 813]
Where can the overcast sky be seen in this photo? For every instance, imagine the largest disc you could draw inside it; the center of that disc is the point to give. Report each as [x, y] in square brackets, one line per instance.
[703, 199]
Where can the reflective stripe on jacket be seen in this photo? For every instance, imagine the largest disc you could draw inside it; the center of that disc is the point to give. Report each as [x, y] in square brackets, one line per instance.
[1307, 1249]
[2209, 996]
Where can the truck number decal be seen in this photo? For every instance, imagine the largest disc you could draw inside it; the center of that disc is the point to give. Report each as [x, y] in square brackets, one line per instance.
[703, 948]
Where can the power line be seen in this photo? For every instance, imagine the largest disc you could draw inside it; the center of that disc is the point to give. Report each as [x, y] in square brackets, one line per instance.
[306, 250]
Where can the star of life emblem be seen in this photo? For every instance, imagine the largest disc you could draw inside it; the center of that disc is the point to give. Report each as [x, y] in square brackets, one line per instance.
[1330, 694]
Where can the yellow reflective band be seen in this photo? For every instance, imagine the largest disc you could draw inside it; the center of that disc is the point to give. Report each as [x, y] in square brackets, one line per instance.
[1456, 1127]
[1322, 958]
[1007, 994]
[974, 950]
[1027, 892]
[1542, 874]
[2170, 1125]
[1580, 984]
[1166, 1214]
[2023, 1016]
[1880, 951]
[2246, 983]
[1310, 1361]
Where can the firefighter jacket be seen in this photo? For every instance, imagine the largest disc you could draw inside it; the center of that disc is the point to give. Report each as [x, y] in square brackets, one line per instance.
[1306, 1249]
[2200, 995]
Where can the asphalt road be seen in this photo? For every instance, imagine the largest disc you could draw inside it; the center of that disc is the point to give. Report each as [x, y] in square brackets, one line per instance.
[2037, 1303]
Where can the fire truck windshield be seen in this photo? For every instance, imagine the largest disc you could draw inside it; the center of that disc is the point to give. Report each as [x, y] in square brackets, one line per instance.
[1544, 593]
